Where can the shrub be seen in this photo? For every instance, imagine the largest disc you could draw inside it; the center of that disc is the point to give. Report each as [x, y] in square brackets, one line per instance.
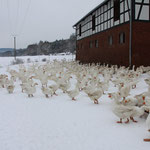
[17, 61]
[44, 59]
[28, 60]
[36, 60]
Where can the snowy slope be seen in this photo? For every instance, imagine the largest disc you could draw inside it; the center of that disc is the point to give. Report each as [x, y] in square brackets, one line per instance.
[58, 123]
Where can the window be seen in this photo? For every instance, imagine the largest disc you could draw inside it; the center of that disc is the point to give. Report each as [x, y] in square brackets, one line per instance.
[96, 43]
[122, 38]
[93, 22]
[90, 44]
[116, 10]
[110, 40]
[80, 30]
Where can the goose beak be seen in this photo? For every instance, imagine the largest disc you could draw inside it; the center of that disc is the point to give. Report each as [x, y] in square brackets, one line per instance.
[144, 103]
[125, 101]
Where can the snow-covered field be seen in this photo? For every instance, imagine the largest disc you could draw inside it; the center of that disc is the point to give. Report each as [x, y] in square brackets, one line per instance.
[58, 123]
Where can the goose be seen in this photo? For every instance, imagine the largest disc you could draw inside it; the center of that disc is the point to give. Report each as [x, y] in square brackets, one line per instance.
[13, 73]
[30, 89]
[137, 112]
[148, 122]
[147, 81]
[29, 82]
[94, 93]
[44, 78]
[10, 88]
[126, 111]
[9, 82]
[47, 91]
[64, 86]
[81, 84]
[121, 111]
[73, 93]
[140, 99]
[148, 125]
[124, 91]
[3, 79]
[54, 88]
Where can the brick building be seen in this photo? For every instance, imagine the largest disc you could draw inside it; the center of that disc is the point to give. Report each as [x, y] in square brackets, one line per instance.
[108, 34]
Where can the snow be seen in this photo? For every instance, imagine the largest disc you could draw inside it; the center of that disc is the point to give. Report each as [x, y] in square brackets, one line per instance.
[58, 123]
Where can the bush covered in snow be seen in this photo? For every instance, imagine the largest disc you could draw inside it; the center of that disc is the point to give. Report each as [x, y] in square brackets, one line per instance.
[17, 61]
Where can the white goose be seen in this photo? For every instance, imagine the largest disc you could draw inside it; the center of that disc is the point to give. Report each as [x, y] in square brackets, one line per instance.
[73, 93]
[47, 91]
[126, 112]
[124, 91]
[30, 89]
[95, 94]
[148, 125]
[54, 88]
[10, 88]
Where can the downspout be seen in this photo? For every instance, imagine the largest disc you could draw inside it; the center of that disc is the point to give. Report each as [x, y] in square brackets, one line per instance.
[76, 42]
[130, 38]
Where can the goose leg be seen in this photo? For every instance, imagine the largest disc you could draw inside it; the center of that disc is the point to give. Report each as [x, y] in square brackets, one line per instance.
[73, 99]
[133, 119]
[119, 121]
[95, 101]
[46, 95]
[127, 121]
[55, 94]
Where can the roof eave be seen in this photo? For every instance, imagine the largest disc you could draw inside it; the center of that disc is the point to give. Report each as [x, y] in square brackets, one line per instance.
[105, 1]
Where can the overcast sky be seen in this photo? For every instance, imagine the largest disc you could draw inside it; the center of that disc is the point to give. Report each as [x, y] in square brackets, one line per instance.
[35, 20]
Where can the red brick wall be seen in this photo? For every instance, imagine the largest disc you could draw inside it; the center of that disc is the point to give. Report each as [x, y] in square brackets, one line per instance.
[141, 43]
[114, 54]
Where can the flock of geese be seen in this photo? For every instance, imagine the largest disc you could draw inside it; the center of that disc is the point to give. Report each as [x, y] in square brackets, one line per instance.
[93, 79]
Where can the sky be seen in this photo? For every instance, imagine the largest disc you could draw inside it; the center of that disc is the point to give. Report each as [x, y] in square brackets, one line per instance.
[40, 20]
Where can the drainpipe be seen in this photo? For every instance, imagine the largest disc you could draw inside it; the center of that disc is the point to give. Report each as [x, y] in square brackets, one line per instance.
[130, 38]
[76, 41]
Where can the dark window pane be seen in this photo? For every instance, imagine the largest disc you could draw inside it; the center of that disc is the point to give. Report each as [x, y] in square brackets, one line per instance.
[96, 43]
[90, 44]
[122, 38]
[116, 10]
[80, 30]
[93, 22]
[110, 40]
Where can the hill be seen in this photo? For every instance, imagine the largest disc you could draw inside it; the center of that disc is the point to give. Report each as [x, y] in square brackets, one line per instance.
[46, 48]
[2, 50]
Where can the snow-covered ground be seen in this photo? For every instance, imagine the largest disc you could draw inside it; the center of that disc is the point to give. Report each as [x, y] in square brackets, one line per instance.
[6, 61]
[58, 123]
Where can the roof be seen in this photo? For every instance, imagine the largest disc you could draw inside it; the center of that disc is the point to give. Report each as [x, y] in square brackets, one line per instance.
[105, 1]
